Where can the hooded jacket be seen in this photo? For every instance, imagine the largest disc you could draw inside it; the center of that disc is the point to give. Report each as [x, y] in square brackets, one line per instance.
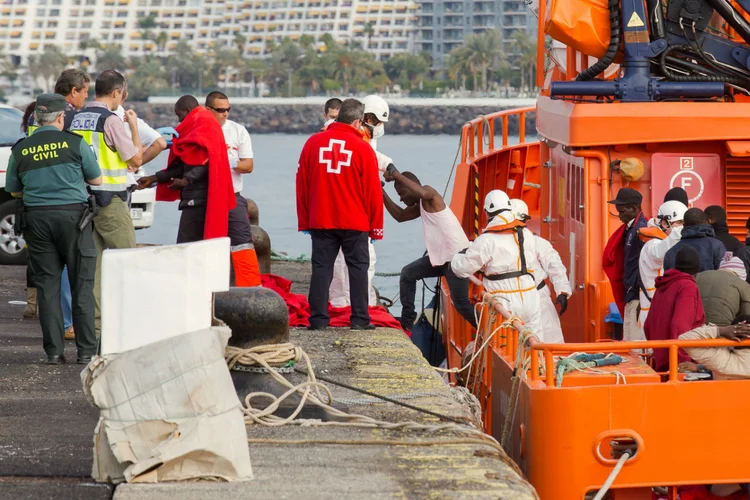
[700, 237]
[724, 296]
[675, 309]
[721, 231]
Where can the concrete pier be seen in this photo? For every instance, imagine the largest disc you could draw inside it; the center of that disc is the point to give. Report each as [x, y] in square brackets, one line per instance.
[46, 425]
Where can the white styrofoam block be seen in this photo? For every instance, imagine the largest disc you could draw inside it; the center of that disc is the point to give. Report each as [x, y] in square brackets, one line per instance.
[155, 293]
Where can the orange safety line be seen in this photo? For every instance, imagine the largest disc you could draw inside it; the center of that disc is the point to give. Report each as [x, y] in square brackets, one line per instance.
[513, 291]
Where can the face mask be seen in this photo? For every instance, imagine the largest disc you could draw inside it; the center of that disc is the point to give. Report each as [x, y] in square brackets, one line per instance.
[378, 131]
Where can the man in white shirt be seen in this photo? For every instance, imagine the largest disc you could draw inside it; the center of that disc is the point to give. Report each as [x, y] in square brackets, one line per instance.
[240, 152]
[151, 140]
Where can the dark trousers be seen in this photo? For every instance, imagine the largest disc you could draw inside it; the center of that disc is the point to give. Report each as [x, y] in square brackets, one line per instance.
[54, 241]
[193, 220]
[422, 268]
[325, 247]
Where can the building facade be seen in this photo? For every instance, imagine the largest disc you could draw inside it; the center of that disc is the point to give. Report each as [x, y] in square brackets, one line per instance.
[27, 26]
[444, 24]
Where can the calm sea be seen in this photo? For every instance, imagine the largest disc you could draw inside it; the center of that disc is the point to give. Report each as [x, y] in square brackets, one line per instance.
[272, 186]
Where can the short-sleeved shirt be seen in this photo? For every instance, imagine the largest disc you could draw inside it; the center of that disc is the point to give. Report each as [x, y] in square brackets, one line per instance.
[116, 134]
[146, 134]
[50, 167]
[239, 147]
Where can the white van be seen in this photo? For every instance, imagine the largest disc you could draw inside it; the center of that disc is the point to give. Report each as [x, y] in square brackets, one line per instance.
[12, 247]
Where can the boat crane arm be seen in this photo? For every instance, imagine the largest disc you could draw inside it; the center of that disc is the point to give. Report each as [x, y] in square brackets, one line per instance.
[552, 264]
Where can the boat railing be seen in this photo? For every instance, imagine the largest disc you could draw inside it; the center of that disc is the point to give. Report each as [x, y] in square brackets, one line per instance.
[478, 135]
[616, 346]
[511, 336]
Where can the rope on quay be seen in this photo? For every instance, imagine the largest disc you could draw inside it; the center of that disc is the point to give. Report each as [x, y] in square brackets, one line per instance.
[320, 395]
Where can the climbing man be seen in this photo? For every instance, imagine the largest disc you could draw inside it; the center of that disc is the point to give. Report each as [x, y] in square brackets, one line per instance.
[502, 252]
[547, 264]
[444, 237]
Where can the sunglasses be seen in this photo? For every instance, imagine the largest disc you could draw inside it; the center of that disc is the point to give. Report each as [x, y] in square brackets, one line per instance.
[221, 110]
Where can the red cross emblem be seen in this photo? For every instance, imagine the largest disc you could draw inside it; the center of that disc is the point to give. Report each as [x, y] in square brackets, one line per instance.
[335, 156]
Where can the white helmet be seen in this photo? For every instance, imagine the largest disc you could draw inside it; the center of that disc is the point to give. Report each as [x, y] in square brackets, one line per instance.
[520, 209]
[377, 106]
[672, 211]
[496, 201]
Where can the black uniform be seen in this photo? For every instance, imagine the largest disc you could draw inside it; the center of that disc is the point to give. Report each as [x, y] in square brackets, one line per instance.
[193, 201]
[49, 167]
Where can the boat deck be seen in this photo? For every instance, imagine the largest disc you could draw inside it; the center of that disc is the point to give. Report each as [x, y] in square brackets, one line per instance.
[46, 426]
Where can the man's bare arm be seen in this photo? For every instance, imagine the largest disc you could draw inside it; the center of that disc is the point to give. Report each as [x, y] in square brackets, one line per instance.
[154, 149]
[245, 166]
[398, 213]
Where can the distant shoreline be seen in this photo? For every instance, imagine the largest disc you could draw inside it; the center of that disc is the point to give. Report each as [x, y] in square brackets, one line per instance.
[393, 101]
[305, 115]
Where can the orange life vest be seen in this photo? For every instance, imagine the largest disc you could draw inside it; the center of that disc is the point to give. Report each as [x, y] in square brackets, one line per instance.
[651, 233]
[516, 227]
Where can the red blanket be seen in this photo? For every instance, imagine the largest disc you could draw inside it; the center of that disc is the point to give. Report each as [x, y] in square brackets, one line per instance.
[613, 265]
[299, 308]
[201, 140]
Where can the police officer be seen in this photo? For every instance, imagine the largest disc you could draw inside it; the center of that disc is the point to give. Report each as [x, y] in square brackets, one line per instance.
[118, 153]
[50, 170]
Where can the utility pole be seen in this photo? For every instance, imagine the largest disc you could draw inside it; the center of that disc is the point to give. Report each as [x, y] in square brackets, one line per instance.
[290, 81]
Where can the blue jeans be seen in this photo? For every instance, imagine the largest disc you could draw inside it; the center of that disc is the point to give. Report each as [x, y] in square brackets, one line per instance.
[66, 299]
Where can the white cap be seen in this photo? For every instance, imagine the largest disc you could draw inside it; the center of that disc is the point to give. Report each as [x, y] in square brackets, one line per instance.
[519, 208]
[672, 211]
[377, 106]
[496, 200]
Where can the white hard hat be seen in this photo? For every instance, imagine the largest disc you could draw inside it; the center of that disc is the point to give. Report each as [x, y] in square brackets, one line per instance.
[519, 208]
[496, 200]
[377, 106]
[672, 211]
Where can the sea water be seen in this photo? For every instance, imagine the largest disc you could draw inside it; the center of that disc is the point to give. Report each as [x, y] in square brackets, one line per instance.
[272, 186]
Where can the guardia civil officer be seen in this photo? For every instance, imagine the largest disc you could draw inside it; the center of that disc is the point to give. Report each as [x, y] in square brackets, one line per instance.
[50, 170]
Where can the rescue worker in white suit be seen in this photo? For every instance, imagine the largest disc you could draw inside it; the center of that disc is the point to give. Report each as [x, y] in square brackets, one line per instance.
[548, 264]
[661, 234]
[503, 253]
[376, 115]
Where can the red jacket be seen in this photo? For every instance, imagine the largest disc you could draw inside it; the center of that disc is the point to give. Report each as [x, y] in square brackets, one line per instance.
[338, 183]
[202, 141]
[675, 309]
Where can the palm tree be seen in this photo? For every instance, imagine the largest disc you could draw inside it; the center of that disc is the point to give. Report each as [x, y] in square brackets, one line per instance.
[227, 61]
[8, 69]
[485, 51]
[461, 64]
[369, 33]
[406, 67]
[110, 57]
[50, 65]
[146, 25]
[161, 40]
[148, 78]
[240, 41]
[524, 54]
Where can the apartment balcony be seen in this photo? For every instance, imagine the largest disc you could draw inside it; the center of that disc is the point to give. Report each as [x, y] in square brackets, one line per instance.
[453, 13]
[484, 12]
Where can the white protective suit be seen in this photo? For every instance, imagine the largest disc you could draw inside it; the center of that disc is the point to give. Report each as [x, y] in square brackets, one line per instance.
[549, 264]
[338, 293]
[651, 266]
[499, 253]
